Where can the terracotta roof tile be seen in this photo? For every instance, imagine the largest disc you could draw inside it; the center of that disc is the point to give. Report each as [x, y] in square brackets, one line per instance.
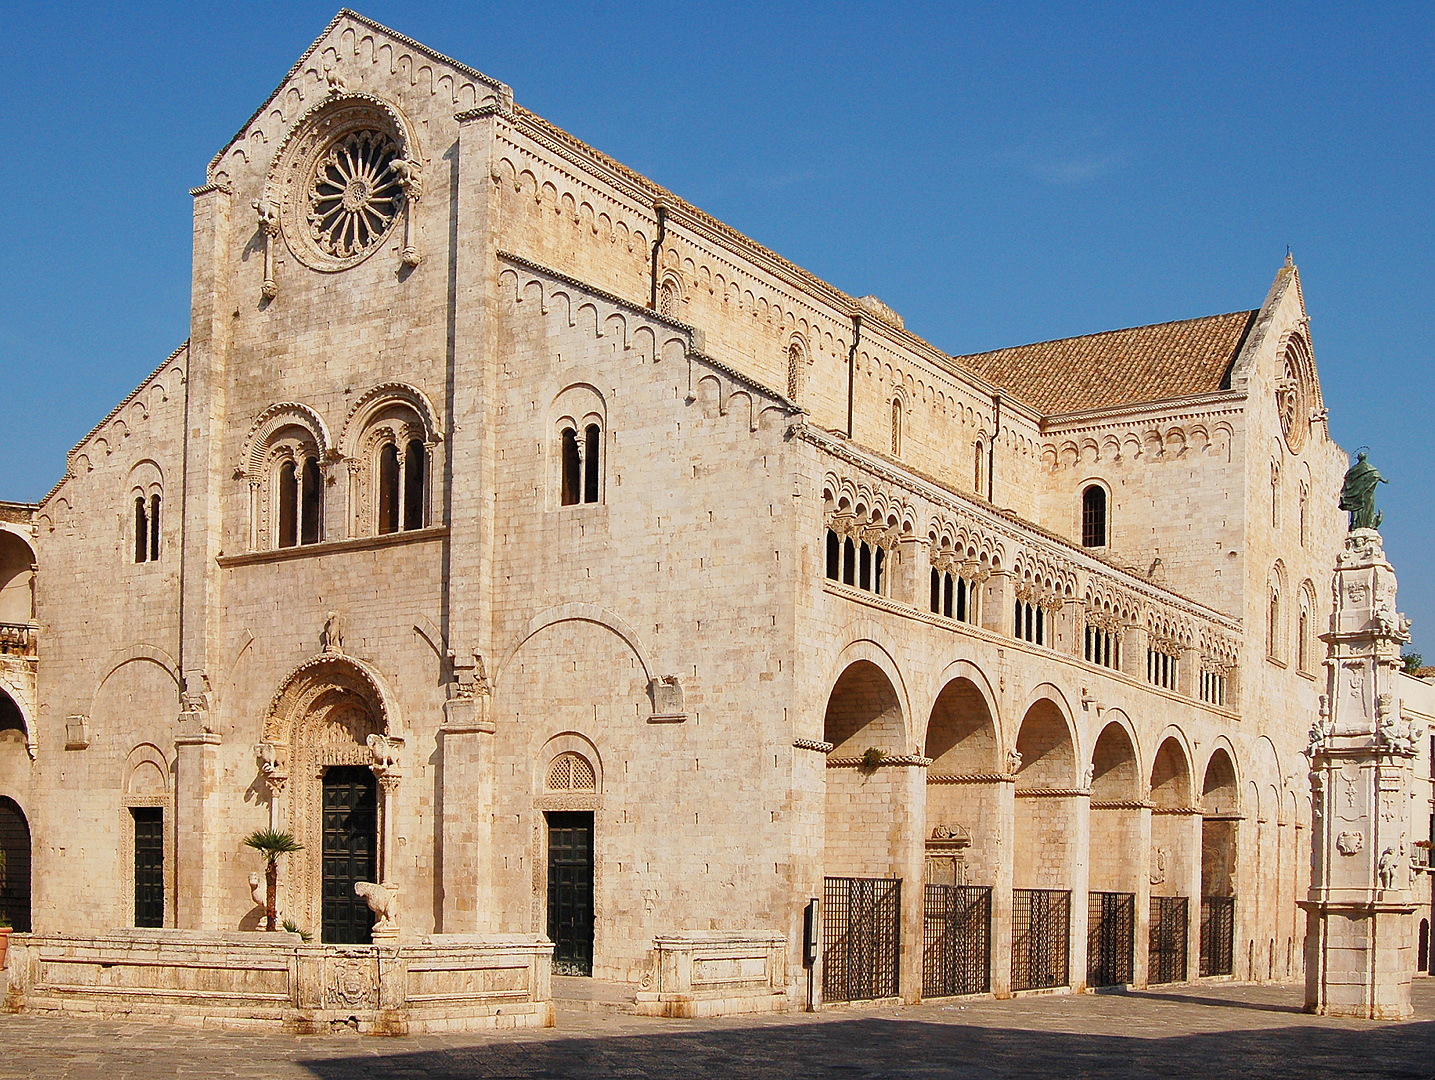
[1118, 367]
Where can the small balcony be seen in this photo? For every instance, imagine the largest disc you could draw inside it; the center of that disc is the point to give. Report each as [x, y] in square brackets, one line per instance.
[19, 639]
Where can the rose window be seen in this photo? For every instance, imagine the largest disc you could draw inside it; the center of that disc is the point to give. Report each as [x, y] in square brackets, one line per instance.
[356, 194]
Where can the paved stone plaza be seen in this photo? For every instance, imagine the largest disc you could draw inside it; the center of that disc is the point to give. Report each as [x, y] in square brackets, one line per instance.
[1206, 1030]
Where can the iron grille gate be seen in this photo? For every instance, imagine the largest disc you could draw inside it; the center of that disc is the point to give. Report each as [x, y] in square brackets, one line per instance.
[1110, 938]
[1167, 947]
[1218, 935]
[1040, 938]
[861, 938]
[956, 940]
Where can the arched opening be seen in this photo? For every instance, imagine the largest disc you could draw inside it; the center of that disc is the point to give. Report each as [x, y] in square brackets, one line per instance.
[896, 427]
[864, 847]
[17, 580]
[1093, 516]
[1044, 852]
[572, 468]
[794, 371]
[415, 484]
[1422, 953]
[979, 468]
[288, 504]
[141, 529]
[1220, 816]
[15, 873]
[311, 503]
[963, 842]
[1114, 859]
[1174, 840]
[388, 488]
[327, 742]
[592, 462]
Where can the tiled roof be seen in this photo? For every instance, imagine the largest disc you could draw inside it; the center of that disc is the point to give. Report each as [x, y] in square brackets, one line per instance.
[1118, 367]
[1424, 672]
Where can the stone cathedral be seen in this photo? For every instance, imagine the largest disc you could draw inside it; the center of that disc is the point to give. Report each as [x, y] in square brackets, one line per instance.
[603, 594]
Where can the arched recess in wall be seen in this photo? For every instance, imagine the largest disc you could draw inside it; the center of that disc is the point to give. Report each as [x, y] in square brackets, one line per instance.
[139, 693]
[578, 437]
[965, 781]
[15, 842]
[390, 443]
[332, 716]
[284, 456]
[897, 740]
[1115, 772]
[17, 581]
[1047, 742]
[15, 715]
[578, 613]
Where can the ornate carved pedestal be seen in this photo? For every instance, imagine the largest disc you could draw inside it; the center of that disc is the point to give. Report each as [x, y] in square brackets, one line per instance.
[1359, 959]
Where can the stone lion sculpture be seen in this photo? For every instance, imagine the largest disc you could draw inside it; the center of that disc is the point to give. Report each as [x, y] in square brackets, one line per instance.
[383, 901]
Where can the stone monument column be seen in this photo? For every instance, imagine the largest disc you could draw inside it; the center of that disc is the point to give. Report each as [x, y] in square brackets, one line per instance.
[1359, 958]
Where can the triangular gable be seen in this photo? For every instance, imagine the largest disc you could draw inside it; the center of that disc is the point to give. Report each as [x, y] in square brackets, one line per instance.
[1284, 307]
[348, 40]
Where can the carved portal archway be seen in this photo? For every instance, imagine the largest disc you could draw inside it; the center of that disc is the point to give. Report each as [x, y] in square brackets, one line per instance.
[331, 710]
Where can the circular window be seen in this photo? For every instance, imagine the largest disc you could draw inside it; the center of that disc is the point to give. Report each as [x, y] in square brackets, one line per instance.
[342, 183]
[1293, 395]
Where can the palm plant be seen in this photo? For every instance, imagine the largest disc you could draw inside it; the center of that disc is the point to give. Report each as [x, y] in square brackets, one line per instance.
[271, 843]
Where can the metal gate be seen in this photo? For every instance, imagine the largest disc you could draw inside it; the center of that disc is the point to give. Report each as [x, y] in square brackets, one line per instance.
[1218, 935]
[1110, 938]
[351, 818]
[956, 940]
[15, 876]
[861, 938]
[1040, 938]
[570, 891]
[1170, 922]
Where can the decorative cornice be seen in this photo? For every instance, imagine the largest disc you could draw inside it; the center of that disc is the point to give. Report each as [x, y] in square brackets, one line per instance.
[1053, 793]
[971, 778]
[1221, 401]
[330, 547]
[1120, 804]
[205, 189]
[1185, 810]
[912, 760]
[814, 744]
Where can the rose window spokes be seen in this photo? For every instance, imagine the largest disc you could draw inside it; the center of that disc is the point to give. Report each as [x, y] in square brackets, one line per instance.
[356, 194]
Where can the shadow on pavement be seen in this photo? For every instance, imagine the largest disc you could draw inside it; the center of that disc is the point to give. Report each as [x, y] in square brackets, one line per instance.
[1178, 998]
[872, 1047]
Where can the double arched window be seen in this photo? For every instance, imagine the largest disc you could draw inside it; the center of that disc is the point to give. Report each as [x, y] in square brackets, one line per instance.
[578, 422]
[582, 458]
[146, 495]
[299, 498]
[402, 482]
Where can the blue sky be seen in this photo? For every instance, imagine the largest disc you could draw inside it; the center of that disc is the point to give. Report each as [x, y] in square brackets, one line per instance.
[997, 174]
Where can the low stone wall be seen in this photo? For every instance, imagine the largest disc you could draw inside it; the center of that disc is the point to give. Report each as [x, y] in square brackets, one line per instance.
[715, 973]
[446, 982]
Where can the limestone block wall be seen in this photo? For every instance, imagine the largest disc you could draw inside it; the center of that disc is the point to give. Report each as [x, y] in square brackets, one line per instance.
[108, 682]
[677, 570]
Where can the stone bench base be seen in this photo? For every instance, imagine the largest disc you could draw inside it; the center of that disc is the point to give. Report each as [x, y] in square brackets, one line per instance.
[251, 981]
[715, 973]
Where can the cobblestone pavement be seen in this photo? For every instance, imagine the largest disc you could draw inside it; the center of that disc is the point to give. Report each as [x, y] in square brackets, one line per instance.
[1204, 1031]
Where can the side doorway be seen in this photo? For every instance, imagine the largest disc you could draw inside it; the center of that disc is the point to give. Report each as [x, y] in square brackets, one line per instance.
[570, 891]
[350, 853]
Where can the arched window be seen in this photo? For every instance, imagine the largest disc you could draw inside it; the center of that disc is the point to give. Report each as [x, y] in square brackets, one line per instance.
[141, 529]
[979, 470]
[311, 503]
[288, 504]
[834, 555]
[415, 486]
[896, 427]
[572, 468]
[1303, 641]
[1304, 499]
[794, 370]
[667, 299]
[592, 459]
[154, 502]
[1093, 516]
[1273, 626]
[849, 562]
[571, 772]
[388, 488]
[1275, 495]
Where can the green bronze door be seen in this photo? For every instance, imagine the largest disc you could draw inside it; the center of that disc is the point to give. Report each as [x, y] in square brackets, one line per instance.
[350, 853]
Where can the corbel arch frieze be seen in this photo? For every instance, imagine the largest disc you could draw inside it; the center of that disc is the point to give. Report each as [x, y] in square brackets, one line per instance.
[582, 613]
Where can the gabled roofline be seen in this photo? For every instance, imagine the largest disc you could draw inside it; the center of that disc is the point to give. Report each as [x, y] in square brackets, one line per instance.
[183, 345]
[346, 13]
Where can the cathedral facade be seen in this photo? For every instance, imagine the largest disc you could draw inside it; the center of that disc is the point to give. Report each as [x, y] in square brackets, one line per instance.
[527, 542]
